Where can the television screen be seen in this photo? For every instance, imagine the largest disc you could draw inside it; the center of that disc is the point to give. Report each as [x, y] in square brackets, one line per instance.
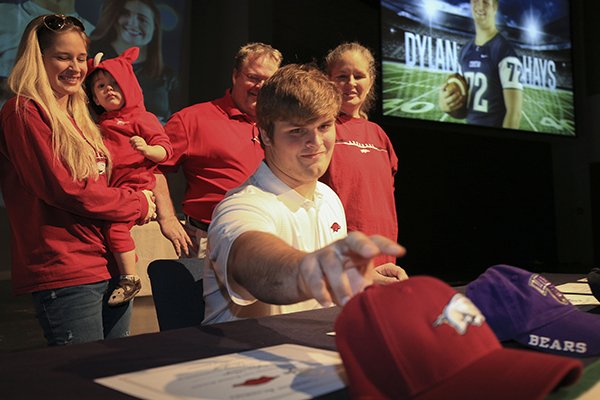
[499, 63]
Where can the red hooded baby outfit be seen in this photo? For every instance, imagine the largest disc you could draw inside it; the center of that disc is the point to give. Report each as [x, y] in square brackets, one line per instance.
[129, 167]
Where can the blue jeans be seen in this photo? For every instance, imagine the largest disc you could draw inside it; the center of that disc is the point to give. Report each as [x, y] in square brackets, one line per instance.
[80, 314]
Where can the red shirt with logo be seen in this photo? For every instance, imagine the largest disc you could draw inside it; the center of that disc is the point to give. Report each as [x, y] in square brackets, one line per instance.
[362, 173]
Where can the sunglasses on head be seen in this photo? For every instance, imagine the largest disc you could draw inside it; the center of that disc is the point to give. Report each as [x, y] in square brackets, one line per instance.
[58, 22]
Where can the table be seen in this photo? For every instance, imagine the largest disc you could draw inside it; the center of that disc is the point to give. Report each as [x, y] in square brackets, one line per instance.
[68, 372]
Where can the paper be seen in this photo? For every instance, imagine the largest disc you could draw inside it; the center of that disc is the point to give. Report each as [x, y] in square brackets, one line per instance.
[574, 287]
[582, 299]
[279, 372]
[591, 394]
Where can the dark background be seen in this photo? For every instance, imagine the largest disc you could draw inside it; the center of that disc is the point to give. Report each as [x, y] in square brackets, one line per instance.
[467, 197]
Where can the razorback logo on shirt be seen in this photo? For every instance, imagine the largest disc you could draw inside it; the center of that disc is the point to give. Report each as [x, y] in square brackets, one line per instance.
[363, 147]
[335, 227]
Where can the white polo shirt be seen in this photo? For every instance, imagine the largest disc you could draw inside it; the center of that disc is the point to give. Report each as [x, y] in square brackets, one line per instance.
[264, 203]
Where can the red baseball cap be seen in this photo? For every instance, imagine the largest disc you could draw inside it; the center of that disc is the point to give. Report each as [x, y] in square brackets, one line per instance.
[420, 339]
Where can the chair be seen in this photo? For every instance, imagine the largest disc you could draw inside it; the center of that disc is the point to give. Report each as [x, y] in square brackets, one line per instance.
[177, 292]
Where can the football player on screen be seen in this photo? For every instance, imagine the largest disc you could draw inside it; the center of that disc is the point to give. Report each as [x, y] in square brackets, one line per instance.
[491, 66]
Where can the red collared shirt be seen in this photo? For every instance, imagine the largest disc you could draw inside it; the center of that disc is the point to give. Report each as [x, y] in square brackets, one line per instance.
[218, 148]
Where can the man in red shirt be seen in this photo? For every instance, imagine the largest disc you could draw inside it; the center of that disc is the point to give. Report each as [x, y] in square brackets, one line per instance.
[216, 143]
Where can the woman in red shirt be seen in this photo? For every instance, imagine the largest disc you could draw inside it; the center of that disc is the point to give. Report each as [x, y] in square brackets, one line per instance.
[53, 176]
[364, 162]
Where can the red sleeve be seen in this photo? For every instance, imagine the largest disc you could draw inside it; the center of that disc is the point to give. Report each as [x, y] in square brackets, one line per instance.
[28, 146]
[177, 132]
[393, 158]
[390, 149]
[150, 128]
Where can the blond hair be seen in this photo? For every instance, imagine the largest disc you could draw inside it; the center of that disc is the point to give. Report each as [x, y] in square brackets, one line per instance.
[78, 149]
[254, 50]
[297, 93]
[336, 54]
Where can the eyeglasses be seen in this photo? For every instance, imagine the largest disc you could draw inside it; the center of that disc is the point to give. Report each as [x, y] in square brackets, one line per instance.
[254, 79]
[57, 22]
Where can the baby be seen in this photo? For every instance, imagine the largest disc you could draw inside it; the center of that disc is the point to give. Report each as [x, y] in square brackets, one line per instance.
[136, 141]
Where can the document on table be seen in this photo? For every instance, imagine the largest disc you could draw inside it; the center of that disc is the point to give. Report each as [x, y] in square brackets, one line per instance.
[279, 372]
[575, 287]
[582, 299]
[578, 293]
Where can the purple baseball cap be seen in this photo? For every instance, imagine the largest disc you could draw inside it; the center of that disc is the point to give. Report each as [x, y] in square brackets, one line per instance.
[525, 307]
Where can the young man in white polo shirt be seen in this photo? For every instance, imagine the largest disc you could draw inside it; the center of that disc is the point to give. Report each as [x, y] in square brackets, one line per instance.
[278, 243]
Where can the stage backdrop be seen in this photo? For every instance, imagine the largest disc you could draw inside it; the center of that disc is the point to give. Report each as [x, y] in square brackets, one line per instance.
[132, 22]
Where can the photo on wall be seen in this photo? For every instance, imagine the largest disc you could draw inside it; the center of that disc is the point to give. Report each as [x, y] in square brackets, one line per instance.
[113, 26]
[497, 63]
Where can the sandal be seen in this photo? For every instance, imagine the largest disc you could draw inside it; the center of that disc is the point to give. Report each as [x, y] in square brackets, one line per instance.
[126, 290]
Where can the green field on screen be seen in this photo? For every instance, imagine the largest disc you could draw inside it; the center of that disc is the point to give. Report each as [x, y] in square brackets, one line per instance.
[413, 92]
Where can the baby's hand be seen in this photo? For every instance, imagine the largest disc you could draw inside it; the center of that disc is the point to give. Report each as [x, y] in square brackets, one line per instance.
[138, 143]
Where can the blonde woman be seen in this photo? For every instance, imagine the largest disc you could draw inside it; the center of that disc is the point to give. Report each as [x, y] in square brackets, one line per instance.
[53, 175]
[364, 162]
